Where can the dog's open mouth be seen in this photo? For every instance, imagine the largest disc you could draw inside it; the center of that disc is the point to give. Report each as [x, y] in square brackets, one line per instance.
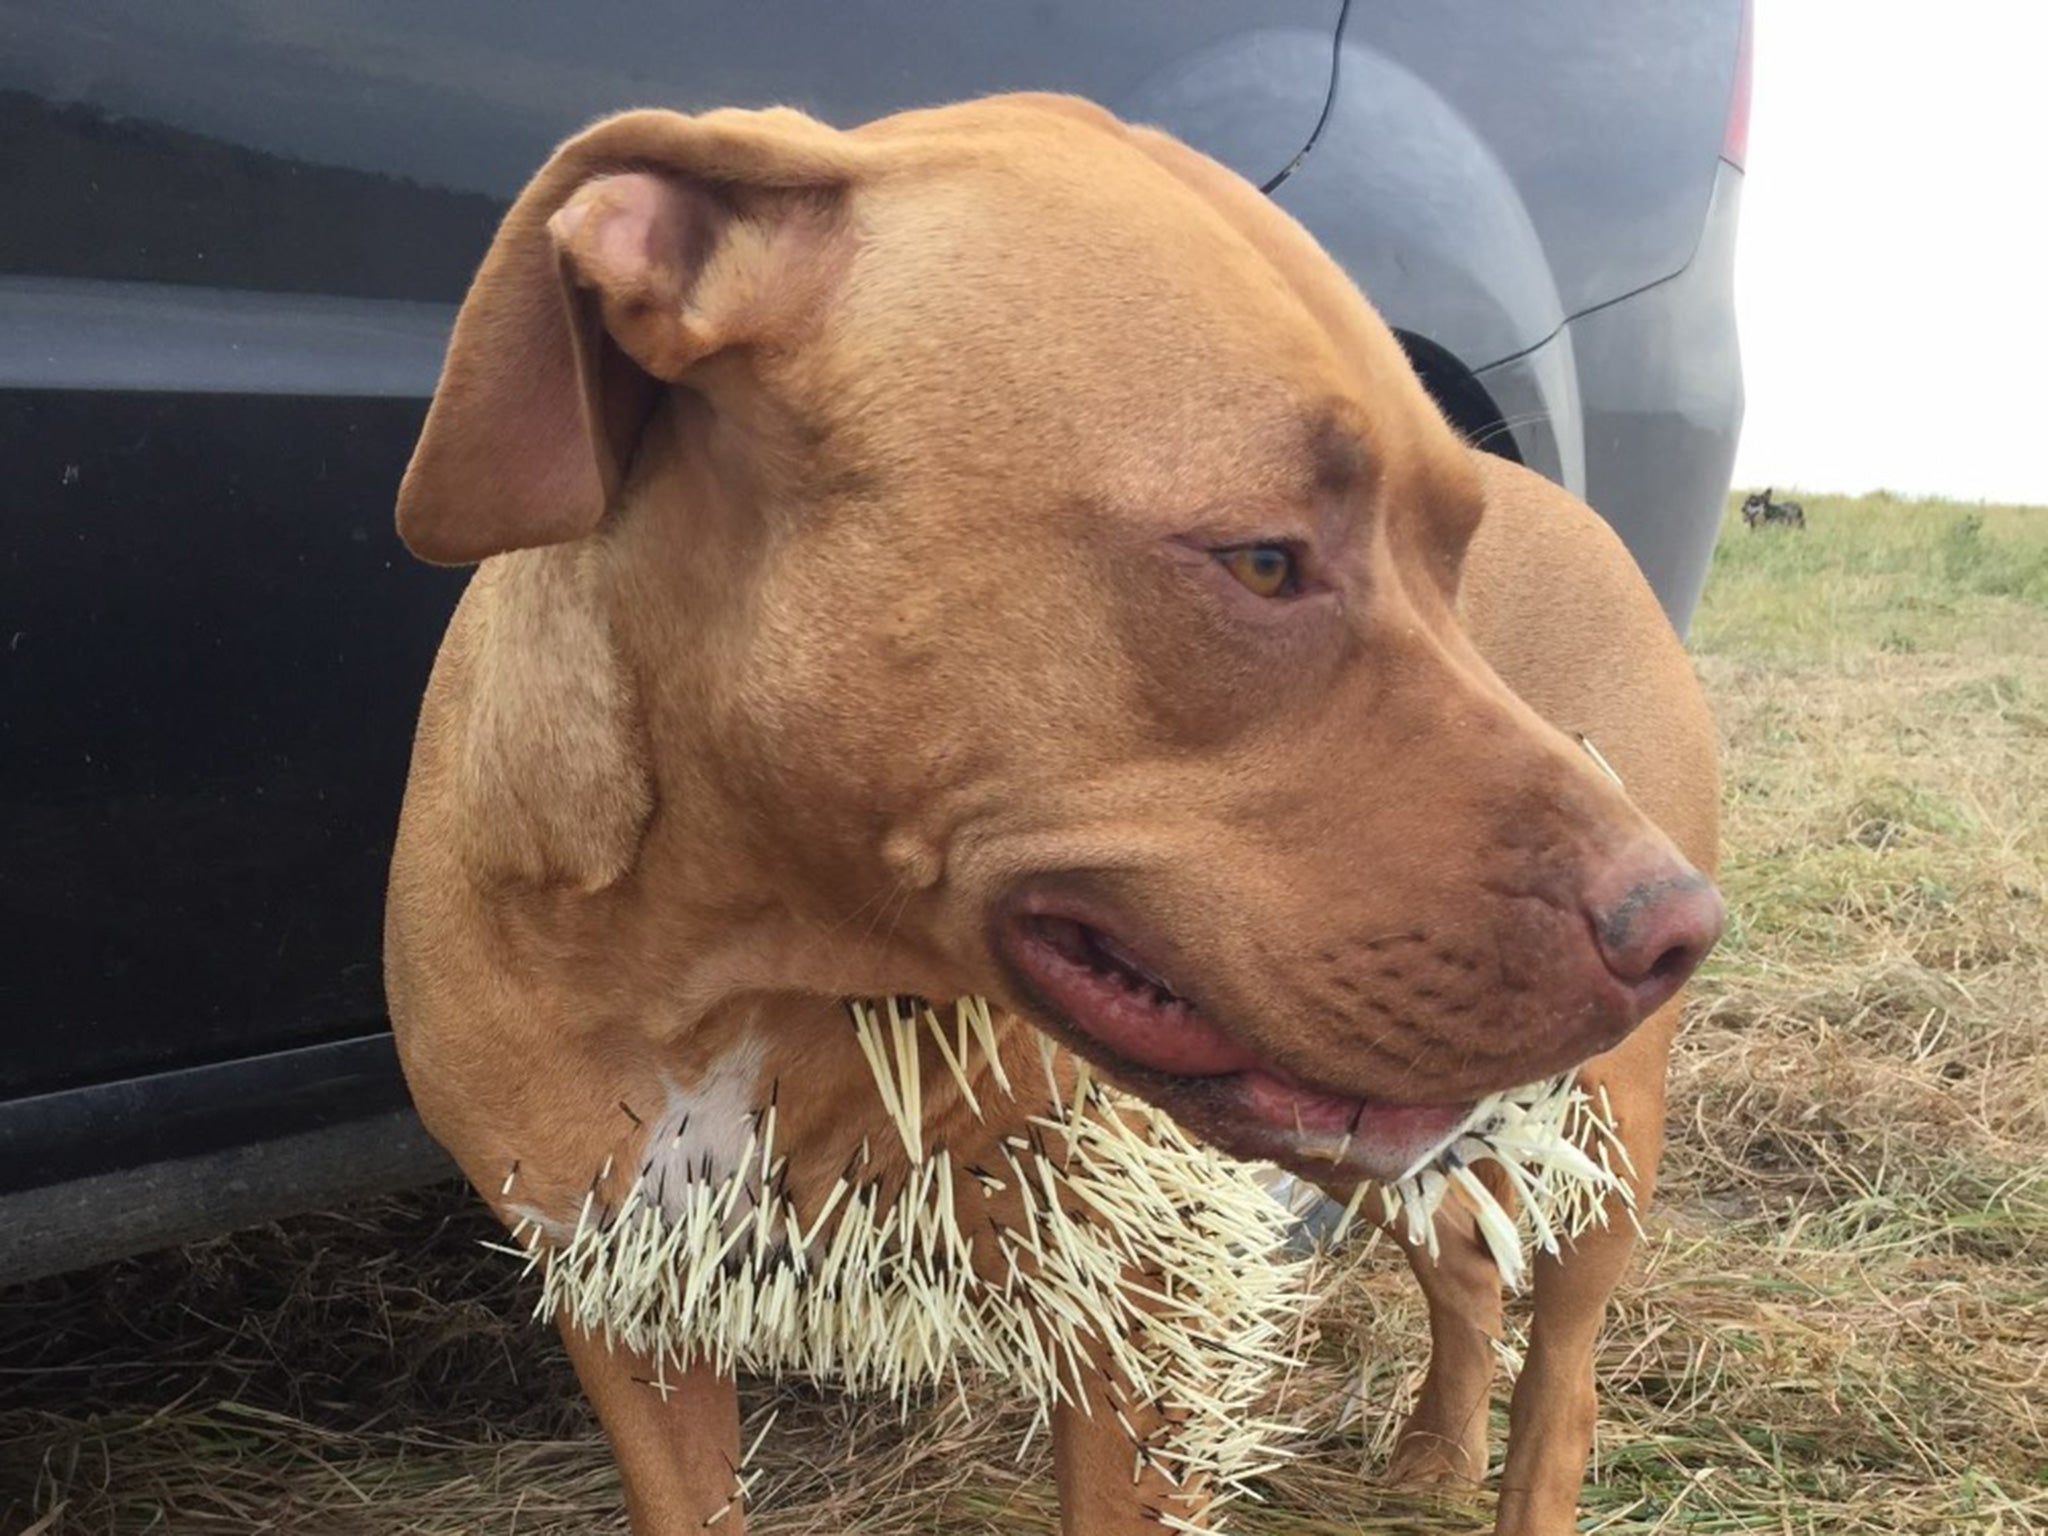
[1131, 1022]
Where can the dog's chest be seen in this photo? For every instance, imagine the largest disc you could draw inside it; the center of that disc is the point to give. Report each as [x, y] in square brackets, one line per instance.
[702, 1134]
[866, 1247]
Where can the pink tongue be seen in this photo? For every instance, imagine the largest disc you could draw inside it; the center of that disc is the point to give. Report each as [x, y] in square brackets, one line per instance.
[1286, 1105]
[1170, 1036]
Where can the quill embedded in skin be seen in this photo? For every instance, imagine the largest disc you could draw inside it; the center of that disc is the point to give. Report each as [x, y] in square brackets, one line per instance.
[1562, 1155]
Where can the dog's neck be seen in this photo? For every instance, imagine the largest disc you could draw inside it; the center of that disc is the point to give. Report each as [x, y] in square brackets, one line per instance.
[605, 798]
[616, 836]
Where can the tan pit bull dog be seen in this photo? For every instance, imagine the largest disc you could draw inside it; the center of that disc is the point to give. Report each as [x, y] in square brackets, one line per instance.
[994, 551]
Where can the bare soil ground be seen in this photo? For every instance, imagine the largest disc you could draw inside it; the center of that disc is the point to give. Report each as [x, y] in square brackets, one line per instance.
[1840, 1323]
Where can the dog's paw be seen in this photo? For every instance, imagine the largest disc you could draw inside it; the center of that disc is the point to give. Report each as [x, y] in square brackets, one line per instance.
[1427, 1457]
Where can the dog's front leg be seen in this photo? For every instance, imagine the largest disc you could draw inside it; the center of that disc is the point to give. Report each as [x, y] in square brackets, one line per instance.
[1555, 1407]
[677, 1442]
[1444, 1440]
[1107, 1486]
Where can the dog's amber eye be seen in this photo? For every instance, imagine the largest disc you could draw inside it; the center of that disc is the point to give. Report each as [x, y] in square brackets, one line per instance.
[1264, 570]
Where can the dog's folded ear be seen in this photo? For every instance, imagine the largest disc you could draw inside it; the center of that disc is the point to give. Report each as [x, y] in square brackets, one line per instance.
[647, 244]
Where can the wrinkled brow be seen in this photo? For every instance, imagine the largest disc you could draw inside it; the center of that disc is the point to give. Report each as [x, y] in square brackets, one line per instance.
[1336, 452]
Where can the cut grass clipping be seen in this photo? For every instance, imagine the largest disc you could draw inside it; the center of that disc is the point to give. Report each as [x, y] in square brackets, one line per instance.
[1839, 1324]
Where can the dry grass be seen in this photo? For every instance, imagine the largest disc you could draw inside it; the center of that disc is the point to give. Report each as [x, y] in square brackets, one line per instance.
[1841, 1324]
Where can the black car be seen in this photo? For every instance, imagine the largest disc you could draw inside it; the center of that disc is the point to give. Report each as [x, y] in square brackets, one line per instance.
[234, 241]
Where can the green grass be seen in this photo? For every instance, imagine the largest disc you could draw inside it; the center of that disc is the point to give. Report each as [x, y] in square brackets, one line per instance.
[1876, 574]
[1839, 1324]
[1863, 1079]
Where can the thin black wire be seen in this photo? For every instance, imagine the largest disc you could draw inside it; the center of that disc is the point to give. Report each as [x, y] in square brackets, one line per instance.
[1329, 101]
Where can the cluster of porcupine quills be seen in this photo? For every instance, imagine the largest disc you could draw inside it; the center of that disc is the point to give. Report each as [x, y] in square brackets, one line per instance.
[1132, 1243]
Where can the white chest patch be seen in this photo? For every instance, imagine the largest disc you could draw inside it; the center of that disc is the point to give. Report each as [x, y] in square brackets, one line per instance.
[703, 1133]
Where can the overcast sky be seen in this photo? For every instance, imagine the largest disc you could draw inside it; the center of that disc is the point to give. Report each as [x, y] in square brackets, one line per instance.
[1892, 271]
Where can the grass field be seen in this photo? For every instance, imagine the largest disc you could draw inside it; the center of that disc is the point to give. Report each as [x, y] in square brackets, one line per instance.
[1840, 1323]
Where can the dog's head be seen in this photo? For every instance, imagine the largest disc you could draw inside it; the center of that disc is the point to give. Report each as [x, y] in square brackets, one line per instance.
[1040, 567]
